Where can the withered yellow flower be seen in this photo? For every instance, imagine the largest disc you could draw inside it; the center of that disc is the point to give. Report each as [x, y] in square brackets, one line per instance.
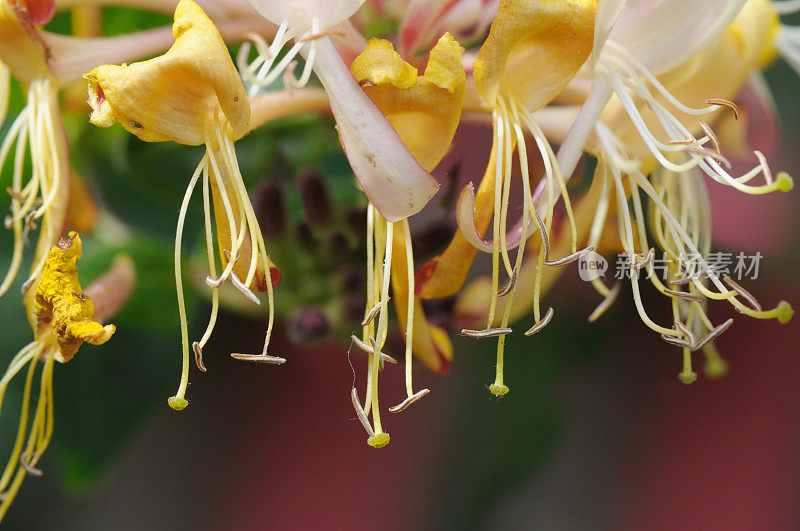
[192, 95]
[62, 317]
[425, 111]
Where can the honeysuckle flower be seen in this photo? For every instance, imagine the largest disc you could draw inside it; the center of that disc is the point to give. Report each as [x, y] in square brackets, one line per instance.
[43, 198]
[727, 54]
[192, 95]
[390, 176]
[532, 52]
[424, 110]
[63, 317]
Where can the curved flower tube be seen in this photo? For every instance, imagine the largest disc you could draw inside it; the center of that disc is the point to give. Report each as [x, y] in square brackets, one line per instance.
[193, 95]
[425, 111]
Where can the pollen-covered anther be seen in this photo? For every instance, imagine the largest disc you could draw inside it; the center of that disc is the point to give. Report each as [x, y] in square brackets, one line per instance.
[408, 401]
[373, 312]
[488, 332]
[370, 350]
[198, 356]
[711, 136]
[606, 303]
[512, 281]
[541, 324]
[684, 295]
[362, 416]
[746, 295]
[715, 333]
[570, 258]
[724, 103]
[706, 152]
[259, 358]
[690, 336]
[635, 264]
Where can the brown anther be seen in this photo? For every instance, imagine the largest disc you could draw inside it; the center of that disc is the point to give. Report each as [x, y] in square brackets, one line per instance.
[315, 36]
[509, 285]
[607, 302]
[30, 222]
[408, 401]
[644, 263]
[64, 243]
[541, 324]
[372, 313]
[691, 338]
[684, 295]
[746, 295]
[724, 103]
[370, 350]
[259, 358]
[711, 136]
[685, 142]
[489, 332]
[29, 468]
[569, 258]
[675, 341]
[360, 412]
[198, 356]
[244, 289]
[79, 296]
[714, 333]
[705, 152]
[15, 195]
[762, 160]
[545, 235]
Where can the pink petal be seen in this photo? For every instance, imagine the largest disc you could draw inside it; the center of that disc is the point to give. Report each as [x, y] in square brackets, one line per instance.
[388, 173]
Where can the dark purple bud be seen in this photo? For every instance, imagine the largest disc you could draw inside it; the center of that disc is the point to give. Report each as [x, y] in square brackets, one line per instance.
[314, 196]
[270, 208]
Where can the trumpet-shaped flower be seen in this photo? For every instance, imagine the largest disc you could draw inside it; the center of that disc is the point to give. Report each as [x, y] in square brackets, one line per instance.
[532, 52]
[63, 317]
[192, 95]
[388, 173]
[425, 111]
[629, 150]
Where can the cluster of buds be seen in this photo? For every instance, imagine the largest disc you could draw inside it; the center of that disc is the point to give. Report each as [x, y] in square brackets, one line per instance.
[621, 85]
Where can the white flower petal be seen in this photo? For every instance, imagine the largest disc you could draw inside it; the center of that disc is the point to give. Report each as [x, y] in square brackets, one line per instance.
[299, 13]
[388, 173]
[663, 34]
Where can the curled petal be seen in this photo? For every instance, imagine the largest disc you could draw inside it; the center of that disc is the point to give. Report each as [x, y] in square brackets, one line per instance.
[424, 110]
[607, 13]
[465, 215]
[172, 96]
[534, 49]
[388, 173]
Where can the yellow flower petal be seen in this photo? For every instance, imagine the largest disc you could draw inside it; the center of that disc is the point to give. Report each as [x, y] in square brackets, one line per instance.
[172, 96]
[424, 110]
[534, 48]
[61, 308]
[430, 344]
